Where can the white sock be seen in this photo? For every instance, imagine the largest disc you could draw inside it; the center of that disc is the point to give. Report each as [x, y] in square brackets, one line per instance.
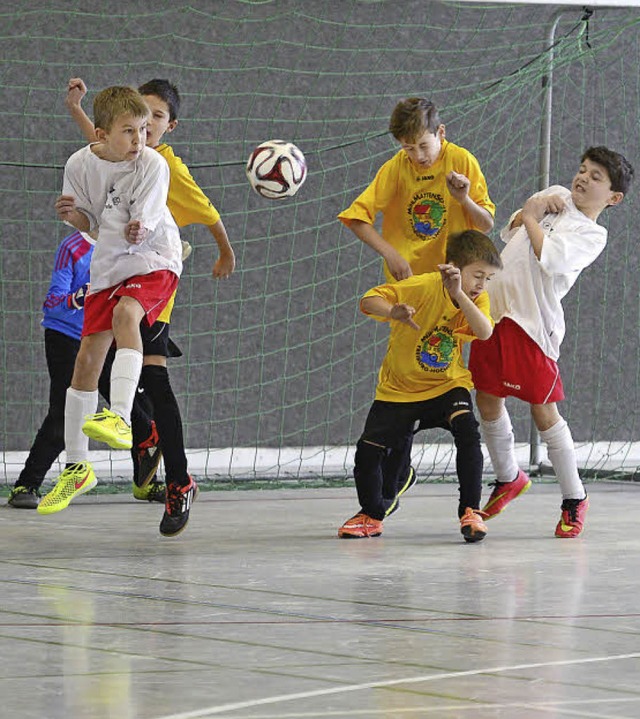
[562, 455]
[77, 404]
[498, 436]
[125, 375]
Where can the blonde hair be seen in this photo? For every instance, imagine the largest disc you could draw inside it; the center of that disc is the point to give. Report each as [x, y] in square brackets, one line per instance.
[112, 102]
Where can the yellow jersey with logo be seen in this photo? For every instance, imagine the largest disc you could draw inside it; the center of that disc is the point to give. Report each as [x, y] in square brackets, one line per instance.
[418, 211]
[425, 363]
[187, 203]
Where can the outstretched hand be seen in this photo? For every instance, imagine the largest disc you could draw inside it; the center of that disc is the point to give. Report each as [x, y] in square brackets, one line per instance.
[404, 313]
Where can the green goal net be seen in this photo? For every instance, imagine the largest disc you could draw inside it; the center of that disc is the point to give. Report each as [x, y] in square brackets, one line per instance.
[279, 366]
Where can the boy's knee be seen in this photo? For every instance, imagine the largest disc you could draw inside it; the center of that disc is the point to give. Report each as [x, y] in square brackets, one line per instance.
[464, 427]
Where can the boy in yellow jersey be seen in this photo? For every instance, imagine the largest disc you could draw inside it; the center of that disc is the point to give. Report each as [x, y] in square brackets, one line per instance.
[423, 379]
[428, 190]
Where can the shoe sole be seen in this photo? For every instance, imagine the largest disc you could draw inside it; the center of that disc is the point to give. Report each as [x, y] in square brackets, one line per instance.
[342, 534]
[485, 513]
[472, 538]
[63, 505]
[153, 469]
[25, 505]
[96, 432]
[157, 498]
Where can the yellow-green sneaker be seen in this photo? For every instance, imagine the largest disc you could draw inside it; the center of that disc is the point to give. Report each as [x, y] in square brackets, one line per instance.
[108, 427]
[152, 492]
[75, 480]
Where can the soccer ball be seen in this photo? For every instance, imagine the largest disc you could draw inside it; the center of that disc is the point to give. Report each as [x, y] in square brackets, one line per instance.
[276, 169]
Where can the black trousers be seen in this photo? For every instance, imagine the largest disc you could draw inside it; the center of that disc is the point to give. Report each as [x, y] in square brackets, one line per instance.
[61, 351]
[383, 452]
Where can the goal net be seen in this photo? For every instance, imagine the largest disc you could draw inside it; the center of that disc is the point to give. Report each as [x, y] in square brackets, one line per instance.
[279, 366]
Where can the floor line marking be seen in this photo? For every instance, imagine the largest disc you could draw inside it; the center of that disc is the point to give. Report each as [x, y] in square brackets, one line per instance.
[209, 711]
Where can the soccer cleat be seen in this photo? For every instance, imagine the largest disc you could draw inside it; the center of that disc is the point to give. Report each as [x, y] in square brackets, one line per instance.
[152, 492]
[360, 525]
[177, 506]
[471, 525]
[505, 492]
[74, 481]
[24, 497]
[108, 427]
[571, 522]
[409, 482]
[149, 455]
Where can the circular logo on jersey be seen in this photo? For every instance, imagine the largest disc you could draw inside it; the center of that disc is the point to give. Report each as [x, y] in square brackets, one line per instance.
[428, 215]
[436, 350]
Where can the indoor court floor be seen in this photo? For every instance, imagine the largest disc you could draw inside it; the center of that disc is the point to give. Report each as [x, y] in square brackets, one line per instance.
[259, 611]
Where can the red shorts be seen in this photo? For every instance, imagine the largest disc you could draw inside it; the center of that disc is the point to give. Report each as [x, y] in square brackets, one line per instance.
[511, 364]
[152, 291]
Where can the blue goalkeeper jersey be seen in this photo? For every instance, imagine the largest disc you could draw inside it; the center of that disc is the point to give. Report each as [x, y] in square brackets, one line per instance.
[70, 272]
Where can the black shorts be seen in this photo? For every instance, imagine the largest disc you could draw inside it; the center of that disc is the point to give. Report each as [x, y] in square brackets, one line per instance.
[390, 424]
[156, 340]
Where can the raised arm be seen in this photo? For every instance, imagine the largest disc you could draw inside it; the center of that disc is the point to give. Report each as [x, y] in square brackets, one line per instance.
[535, 208]
[478, 322]
[76, 90]
[458, 186]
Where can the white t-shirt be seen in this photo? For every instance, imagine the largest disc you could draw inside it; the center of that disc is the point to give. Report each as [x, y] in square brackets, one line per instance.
[529, 291]
[112, 193]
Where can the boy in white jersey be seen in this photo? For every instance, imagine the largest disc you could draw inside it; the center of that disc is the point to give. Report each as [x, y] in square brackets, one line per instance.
[188, 205]
[549, 242]
[117, 188]
[423, 379]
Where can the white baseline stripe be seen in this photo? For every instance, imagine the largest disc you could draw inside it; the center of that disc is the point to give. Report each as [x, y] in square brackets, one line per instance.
[210, 711]
[307, 462]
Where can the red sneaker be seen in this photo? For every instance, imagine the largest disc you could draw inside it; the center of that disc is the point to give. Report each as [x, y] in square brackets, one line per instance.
[505, 492]
[572, 519]
[362, 525]
[471, 525]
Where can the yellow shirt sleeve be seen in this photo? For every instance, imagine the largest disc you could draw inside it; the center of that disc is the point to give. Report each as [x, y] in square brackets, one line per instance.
[186, 201]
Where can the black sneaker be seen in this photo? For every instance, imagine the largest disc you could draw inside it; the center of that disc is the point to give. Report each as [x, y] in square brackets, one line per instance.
[408, 483]
[177, 506]
[24, 498]
[149, 455]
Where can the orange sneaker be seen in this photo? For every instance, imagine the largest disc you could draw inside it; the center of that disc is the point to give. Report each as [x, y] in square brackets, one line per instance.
[361, 525]
[471, 525]
[505, 492]
[572, 519]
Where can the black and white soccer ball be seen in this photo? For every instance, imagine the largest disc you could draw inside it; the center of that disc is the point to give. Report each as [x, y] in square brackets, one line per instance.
[276, 169]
